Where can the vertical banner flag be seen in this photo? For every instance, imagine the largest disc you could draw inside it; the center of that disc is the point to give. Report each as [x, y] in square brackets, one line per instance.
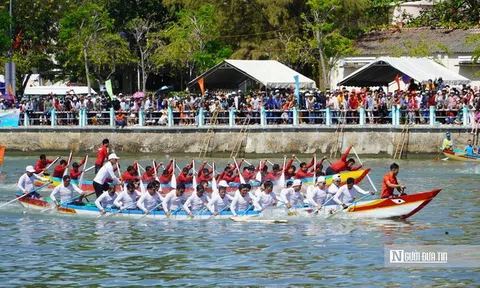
[397, 79]
[297, 88]
[108, 86]
[2, 154]
[201, 84]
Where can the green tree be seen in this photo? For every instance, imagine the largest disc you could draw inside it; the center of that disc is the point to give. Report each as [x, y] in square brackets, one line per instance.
[5, 41]
[80, 29]
[450, 14]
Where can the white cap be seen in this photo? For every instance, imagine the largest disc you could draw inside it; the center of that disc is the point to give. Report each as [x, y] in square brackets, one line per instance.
[321, 179]
[297, 182]
[30, 169]
[113, 156]
[336, 177]
[223, 183]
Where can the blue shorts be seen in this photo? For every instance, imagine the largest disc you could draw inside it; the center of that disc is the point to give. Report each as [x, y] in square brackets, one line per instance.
[35, 195]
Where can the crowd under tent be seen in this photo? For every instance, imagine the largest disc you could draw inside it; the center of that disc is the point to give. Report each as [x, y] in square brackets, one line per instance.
[384, 70]
[248, 74]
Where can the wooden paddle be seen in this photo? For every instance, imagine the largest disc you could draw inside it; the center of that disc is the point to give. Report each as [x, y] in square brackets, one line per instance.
[368, 176]
[436, 158]
[16, 198]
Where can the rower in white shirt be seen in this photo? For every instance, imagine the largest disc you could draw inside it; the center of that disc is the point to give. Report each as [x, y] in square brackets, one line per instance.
[266, 198]
[26, 182]
[333, 188]
[106, 200]
[317, 195]
[220, 200]
[65, 190]
[291, 196]
[128, 198]
[174, 199]
[346, 194]
[241, 200]
[149, 200]
[99, 182]
[196, 202]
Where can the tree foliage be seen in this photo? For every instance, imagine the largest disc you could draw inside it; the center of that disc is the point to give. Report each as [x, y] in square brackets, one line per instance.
[450, 14]
[5, 41]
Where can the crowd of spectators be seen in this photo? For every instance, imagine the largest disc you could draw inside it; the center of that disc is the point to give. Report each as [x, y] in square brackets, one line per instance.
[344, 104]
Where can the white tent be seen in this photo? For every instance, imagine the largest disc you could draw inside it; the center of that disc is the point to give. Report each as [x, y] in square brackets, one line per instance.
[235, 73]
[57, 90]
[383, 71]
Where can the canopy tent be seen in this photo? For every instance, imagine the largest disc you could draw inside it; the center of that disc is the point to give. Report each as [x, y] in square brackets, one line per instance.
[234, 74]
[57, 90]
[384, 70]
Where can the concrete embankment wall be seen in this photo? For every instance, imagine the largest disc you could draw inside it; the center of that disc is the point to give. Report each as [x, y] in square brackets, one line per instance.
[372, 140]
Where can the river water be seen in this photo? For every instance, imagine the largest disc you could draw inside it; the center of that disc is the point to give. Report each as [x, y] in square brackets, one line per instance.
[48, 249]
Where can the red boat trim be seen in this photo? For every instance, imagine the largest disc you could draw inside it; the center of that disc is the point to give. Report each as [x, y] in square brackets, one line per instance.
[409, 199]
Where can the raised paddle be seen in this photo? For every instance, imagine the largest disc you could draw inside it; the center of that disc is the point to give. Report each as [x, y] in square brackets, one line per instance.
[368, 176]
[353, 203]
[155, 169]
[50, 165]
[242, 180]
[34, 190]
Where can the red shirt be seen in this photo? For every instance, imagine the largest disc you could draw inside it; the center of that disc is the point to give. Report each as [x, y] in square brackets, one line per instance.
[58, 171]
[272, 176]
[102, 155]
[204, 177]
[341, 165]
[185, 179]
[75, 174]
[248, 175]
[386, 190]
[41, 165]
[147, 178]
[127, 176]
[301, 174]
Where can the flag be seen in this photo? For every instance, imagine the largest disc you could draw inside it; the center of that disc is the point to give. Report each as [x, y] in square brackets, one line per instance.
[297, 88]
[108, 86]
[397, 79]
[201, 83]
[16, 44]
[10, 90]
[2, 154]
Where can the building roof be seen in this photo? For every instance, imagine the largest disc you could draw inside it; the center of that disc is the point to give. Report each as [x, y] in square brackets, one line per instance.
[383, 71]
[414, 41]
[271, 73]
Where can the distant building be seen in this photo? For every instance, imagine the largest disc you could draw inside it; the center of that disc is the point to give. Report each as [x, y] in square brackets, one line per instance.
[404, 12]
[446, 46]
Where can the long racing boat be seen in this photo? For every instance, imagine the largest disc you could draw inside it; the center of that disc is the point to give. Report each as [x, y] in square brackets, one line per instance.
[461, 156]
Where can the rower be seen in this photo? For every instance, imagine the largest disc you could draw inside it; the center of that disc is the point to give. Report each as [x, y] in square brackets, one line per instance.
[197, 201]
[266, 198]
[26, 182]
[166, 176]
[346, 194]
[343, 164]
[102, 155]
[106, 200]
[303, 171]
[149, 175]
[469, 148]
[289, 169]
[60, 169]
[41, 165]
[149, 200]
[219, 199]
[184, 177]
[275, 174]
[390, 183]
[447, 143]
[75, 173]
[205, 173]
[66, 190]
[99, 182]
[317, 195]
[130, 174]
[174, 199]
[292, 196]
[333, 188]
[241, 200]
[128, 198]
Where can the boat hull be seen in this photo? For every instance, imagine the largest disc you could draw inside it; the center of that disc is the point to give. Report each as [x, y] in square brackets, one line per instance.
[460, 156]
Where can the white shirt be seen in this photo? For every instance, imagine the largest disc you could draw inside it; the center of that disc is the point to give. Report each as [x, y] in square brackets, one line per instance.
[332, 190]
[172, 201]
[26, 183]
[264, 201]
[217, 203]
[66, 193]
[346, 196]
[125, 200]
[239, 203]
[290, 196]
[195, 203]
[148, 202]
[105, 200]
[106, 172]
[316, 196]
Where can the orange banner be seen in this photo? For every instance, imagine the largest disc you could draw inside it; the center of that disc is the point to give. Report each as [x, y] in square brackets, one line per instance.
[2, 154]
[10, 90]
[201, 84]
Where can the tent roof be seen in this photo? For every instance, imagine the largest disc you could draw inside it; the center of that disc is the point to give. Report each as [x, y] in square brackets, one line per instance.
[383, 70]
[271, 73]
[57, 90]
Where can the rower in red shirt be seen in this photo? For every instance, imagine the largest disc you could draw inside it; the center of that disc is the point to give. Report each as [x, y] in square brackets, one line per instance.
[390, 183]
[204, 173]
[60, 169]
[149, 175]
[303, 171]
[290, 169]
[248, 173]
[102, 154]
[227, 174]
[166, 176]
[75, 172]
[275, 174]
[130, 174]
[42, 164]
[184, 177]
[342, 164]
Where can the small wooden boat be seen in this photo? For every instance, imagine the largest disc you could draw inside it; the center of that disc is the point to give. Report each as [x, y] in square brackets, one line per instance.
[401, 207]
[87, 186]
[89, 209]
[461, 156]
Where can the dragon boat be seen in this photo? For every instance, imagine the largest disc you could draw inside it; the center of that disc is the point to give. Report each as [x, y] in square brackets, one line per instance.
[461, 156]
